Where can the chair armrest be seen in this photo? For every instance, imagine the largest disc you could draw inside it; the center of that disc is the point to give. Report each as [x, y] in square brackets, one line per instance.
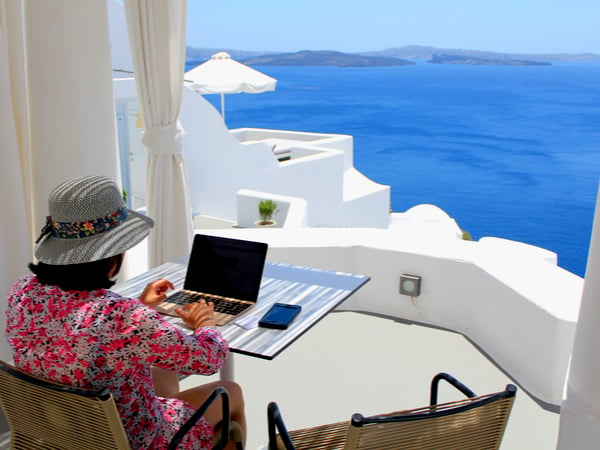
[225, 421]
[275, 424]
[453, 381]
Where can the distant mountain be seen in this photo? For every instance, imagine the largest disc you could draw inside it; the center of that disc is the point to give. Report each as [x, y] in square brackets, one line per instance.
[459, 59]
[324, 58]
[397, 56]
[419, 52]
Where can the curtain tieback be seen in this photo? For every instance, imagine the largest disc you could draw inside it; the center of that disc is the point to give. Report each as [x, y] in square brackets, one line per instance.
[163, 139]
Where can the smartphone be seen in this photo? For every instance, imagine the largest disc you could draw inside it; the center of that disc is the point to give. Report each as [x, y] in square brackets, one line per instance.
[279, 316]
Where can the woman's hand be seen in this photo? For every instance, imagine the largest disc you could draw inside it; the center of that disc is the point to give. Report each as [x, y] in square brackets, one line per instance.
[196, 315]
[156, 292]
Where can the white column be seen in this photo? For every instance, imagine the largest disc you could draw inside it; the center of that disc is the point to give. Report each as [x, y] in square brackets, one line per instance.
[580, 411]
[15, 236]
[70, 94]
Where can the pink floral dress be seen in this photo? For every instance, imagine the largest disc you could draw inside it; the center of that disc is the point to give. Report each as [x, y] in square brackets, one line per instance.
[99, 339]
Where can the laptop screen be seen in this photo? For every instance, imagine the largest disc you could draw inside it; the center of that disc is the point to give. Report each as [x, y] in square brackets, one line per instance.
[226, 267]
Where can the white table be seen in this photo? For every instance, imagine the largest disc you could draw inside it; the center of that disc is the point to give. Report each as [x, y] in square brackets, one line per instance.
[317, 291]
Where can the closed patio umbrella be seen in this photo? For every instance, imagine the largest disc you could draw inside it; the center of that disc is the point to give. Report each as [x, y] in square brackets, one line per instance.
[223, 75]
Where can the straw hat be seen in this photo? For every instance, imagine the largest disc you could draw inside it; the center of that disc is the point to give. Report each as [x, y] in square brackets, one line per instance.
[88, 222]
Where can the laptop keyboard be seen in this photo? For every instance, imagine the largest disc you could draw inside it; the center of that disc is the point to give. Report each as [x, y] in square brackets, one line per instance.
[229, 307]
[222, 305]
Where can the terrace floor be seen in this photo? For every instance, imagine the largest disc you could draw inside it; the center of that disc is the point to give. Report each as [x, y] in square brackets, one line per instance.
[354, 362]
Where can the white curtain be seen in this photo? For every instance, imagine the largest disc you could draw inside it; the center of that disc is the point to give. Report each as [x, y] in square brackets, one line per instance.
[157, 30]
[580, 410]
[15, 226]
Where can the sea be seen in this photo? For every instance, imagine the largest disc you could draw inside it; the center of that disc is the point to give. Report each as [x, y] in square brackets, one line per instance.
[507, 151]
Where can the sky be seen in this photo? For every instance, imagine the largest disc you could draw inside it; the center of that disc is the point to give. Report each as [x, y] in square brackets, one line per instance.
[511, 26]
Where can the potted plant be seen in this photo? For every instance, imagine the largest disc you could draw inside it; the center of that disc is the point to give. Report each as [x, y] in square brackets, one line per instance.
[266, 209]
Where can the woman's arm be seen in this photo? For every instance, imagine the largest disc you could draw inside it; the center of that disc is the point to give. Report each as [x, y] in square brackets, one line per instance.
[145, 334]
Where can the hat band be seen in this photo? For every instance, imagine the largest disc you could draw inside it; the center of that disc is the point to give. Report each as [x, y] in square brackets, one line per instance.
[83, 229]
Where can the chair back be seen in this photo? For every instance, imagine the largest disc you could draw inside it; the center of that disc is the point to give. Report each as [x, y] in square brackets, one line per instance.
[472, 423]
[42, 414]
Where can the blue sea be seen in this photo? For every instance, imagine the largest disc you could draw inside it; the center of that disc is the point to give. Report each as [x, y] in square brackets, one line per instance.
[507, 151]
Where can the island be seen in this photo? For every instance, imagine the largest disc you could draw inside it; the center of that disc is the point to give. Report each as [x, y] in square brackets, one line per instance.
[324, 58]
[463, 59]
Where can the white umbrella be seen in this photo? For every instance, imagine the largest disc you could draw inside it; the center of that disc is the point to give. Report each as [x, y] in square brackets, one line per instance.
[223, 75]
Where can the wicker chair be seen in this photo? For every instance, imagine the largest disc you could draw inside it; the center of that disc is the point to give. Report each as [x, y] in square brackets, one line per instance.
[476, 422]
[47, 415]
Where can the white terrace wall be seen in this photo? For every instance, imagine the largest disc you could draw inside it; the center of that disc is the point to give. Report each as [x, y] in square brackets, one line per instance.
[290, 212]
[343, 142]
[520, 310]
[220, 166]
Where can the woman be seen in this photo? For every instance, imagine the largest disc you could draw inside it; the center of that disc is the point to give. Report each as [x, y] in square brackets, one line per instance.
[65, 325]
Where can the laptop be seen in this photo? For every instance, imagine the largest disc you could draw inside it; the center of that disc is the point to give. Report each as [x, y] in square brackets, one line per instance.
[225, 271]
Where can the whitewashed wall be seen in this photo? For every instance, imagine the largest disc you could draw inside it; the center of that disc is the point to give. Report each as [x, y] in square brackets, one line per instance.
[520, 309]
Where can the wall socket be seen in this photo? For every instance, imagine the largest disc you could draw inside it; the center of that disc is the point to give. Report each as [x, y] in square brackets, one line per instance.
[410, 285]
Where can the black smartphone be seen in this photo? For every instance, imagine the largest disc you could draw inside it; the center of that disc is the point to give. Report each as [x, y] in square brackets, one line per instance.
[279, 316]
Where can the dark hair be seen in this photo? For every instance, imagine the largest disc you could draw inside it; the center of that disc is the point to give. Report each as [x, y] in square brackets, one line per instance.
[78, 277]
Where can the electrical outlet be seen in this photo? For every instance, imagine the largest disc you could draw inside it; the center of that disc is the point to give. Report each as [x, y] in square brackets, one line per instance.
[410, 285]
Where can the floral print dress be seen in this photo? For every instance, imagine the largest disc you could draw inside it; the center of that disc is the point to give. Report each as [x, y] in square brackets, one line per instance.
[99, 339]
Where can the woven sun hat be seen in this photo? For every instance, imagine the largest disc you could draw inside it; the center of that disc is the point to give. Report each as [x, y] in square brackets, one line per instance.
[88, 222]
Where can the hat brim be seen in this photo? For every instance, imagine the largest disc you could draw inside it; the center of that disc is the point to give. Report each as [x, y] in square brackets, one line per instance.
[55, 251]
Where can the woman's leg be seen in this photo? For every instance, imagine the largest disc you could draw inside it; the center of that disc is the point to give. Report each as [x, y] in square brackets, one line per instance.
[197, 395]
[166, 384]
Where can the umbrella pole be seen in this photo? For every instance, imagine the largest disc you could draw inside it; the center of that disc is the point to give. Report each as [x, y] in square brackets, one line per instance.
[223, 106]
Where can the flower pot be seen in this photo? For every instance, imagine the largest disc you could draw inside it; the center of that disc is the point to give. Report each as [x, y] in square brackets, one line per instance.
[265, 223]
